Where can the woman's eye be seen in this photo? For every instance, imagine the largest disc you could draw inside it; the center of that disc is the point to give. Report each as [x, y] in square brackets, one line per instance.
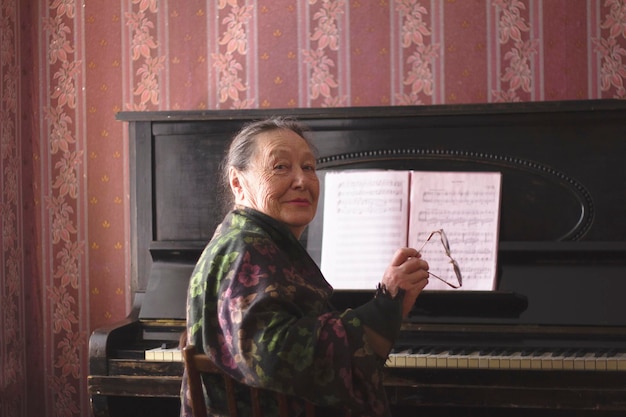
[309, 168]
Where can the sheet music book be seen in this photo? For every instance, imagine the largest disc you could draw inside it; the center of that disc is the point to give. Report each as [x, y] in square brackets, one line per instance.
[368, 214]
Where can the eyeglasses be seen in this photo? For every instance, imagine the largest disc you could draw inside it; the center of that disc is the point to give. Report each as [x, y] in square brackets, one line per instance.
[446, 248]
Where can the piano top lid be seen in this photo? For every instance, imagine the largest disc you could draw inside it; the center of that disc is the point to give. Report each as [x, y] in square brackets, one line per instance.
[365, 112]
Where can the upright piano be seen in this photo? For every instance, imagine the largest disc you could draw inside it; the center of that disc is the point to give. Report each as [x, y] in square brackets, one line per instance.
[549, 340]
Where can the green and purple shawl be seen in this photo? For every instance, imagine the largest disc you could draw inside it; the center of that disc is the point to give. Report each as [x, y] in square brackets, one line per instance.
[259, 306]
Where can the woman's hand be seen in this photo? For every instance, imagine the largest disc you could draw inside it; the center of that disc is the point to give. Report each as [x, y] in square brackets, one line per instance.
[409, 272]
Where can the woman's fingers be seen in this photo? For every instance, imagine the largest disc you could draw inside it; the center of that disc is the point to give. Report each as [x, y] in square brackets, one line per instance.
[402, 255]
[407, 271]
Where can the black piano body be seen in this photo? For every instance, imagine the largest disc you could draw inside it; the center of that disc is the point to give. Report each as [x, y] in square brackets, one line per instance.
[561, 257]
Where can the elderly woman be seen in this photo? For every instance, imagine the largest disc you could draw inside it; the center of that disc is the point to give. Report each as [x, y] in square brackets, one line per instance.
[258, 304]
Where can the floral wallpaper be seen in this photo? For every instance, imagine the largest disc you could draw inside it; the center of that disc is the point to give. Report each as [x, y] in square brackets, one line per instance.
[67, 67]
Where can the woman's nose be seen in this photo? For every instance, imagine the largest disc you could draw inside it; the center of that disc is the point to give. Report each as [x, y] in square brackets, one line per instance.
[299, 178]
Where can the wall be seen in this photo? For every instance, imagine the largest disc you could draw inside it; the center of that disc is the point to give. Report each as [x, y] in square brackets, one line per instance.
[68, 66]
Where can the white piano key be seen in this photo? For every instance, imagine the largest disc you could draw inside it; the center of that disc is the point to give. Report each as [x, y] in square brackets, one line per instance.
[453, 361]
[400, 361]
[621, 362]
[421, 360]
[579, 363]
[442, 359]
[463, 362]
[568, 363]
[546, 360]
[431, 361]
[535, 362]
[525, 362]
[483, 362]
[590, 361]
[411, 361]
[163, 354]
[515, 360]
[557, 361]
[472, 362]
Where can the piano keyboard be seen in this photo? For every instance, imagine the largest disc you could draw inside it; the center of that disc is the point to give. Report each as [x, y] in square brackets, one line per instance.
[477, 359]
[503, 359]
[164, 354]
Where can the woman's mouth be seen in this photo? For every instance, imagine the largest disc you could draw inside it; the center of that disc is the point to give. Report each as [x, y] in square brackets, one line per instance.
[300, 202]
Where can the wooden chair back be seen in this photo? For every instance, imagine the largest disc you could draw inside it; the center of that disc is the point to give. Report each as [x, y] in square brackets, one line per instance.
[197, 363]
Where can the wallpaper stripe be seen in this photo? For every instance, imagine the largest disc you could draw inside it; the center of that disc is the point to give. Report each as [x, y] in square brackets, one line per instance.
[252, 61]
[127, 56]
[492, 51]
[395, 54]
[48, 341]
[128, 75]
[73, 355]
[344, 90]
[12, 286]
[21, 359]
[164, 50]
[438, 63]
[211, 48]
[63, 188]
[399, 54]
[536, 13]
[303, 44]
[594, 60]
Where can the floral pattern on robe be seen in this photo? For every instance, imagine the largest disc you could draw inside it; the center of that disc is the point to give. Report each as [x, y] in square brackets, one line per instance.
[259, 306]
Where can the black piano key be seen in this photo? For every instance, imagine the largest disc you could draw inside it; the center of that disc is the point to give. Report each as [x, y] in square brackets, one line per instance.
[580, 353]
[601, 353]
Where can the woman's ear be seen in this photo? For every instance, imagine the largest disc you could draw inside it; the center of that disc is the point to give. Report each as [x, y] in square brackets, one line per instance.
[234, 179]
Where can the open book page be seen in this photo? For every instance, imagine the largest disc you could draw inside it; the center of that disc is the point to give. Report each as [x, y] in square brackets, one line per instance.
[466, 205]
[365, 222]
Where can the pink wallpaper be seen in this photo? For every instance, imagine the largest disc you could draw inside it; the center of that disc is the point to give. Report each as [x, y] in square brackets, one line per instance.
[68, 66]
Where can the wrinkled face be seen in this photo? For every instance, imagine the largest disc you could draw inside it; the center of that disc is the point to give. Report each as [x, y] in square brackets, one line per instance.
[281, 180]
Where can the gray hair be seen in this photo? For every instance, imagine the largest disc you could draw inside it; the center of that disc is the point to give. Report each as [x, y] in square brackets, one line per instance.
[243, 146]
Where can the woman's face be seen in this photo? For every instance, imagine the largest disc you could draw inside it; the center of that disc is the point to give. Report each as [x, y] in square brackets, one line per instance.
[281, 180]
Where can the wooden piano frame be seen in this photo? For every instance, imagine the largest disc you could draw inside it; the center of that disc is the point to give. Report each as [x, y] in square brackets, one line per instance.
[561, 260]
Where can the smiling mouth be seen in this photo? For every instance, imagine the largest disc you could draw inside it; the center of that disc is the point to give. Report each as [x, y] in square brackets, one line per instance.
[300, 201]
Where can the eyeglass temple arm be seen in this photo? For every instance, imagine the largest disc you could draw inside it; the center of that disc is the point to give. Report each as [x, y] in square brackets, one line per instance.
[427, 239]
[443, 280]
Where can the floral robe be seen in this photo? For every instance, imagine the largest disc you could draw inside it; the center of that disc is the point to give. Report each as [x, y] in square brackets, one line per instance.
[259, 306]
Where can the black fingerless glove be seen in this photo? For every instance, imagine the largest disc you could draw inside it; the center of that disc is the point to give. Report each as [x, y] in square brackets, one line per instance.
[383, 314]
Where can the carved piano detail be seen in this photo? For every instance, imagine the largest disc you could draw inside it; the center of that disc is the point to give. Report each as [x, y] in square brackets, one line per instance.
[551, 339]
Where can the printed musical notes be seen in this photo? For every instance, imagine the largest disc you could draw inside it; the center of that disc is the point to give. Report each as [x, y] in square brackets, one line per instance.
[467, 206]
[365, 221]
[368, 214]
